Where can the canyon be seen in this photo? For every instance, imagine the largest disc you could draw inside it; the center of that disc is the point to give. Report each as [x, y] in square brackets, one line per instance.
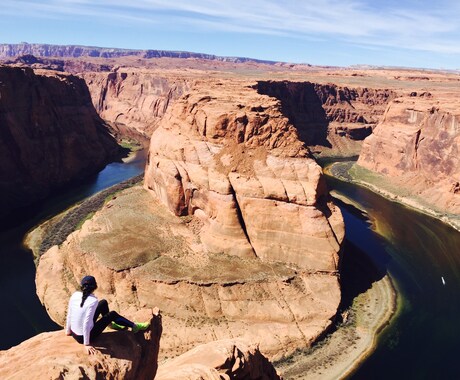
[233, 233]
[50, 135]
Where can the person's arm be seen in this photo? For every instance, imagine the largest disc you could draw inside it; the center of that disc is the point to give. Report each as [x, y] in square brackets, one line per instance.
[69, 313]
[88, 323]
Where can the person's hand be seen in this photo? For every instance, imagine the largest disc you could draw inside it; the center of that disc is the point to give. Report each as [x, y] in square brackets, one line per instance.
[90, 350]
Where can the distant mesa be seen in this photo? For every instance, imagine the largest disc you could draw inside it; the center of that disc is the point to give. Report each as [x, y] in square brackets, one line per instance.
[75, 51]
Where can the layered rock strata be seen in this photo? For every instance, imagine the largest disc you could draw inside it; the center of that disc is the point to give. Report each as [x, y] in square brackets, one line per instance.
[74, 51]
[134, 98]
[229, 157]
[50, 134]
[144, 256]
[416, 147]
[239, 239]
[327, 115]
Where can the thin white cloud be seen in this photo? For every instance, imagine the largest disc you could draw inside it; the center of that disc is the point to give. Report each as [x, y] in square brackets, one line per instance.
[408, 24]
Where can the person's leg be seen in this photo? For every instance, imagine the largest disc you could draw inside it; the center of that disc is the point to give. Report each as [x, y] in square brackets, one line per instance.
[101, 309]
[105, 320]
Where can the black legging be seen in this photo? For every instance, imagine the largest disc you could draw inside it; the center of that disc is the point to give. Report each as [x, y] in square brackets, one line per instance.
[107, 317]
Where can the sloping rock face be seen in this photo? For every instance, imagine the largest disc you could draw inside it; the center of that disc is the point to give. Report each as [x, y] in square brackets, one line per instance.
[417, 146]
[226, 359]
[50, 134]
[53, 355]
[229, 157]
[327, 115]
[144, 256]
[134, 98]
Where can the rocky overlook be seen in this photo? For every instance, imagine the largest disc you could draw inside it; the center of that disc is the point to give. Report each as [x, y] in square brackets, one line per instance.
[50, 134]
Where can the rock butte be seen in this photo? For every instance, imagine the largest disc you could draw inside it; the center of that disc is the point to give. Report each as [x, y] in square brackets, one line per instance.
[227, 149]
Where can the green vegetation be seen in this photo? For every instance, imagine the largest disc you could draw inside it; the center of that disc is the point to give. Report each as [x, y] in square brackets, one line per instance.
[73, 219]
[130, 144]
[81, 222]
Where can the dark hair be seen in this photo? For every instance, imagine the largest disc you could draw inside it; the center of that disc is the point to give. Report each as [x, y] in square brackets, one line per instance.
[88, 285]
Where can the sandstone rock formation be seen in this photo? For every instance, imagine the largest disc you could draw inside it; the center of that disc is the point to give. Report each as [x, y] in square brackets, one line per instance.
[229, 157]
[124, 355]
[226, 359]
[50, 135]
[251, 248]
[327, 115]
[416, 147]
[134, 98]
[53, 355]
[144, 256]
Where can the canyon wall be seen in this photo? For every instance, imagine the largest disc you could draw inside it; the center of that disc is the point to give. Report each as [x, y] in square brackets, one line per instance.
[327, 116]
[50, 134]
[134, 98]
[416, 146]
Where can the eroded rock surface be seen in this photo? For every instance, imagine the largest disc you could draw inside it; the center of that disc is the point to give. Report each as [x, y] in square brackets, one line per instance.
[228, 156]
[50, 134]
[239, 239]
[225, 359]
[134, 98]
[144, 256]
[329, 117]
[53, 355]
[417, 146]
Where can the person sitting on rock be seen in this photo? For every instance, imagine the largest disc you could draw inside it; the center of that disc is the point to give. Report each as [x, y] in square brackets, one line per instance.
[84, 310]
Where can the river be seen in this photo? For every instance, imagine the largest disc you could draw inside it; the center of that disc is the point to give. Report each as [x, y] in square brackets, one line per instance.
[22, 315]
[420, 254]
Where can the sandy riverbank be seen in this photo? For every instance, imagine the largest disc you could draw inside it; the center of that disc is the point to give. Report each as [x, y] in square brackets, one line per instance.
[341, 352]
[344, 172]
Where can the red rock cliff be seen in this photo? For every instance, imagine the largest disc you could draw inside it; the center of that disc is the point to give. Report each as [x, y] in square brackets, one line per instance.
[327, 115]
[134, 98]
[417, 147]
[230, 157]
[50, 134]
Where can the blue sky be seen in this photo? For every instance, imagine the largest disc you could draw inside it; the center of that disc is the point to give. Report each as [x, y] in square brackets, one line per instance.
[398, 33]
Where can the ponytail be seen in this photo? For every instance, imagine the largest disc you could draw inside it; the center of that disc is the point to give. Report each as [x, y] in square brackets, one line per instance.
[86, 292]
[88, 285]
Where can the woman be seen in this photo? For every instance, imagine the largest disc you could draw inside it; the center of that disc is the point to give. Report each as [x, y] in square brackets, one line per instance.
[83, 313]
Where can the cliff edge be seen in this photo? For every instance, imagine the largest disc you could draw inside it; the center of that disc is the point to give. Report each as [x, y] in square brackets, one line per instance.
[50, 135]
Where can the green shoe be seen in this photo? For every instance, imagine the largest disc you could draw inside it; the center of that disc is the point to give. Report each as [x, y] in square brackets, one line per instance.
[140, 326]
[116, 326]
